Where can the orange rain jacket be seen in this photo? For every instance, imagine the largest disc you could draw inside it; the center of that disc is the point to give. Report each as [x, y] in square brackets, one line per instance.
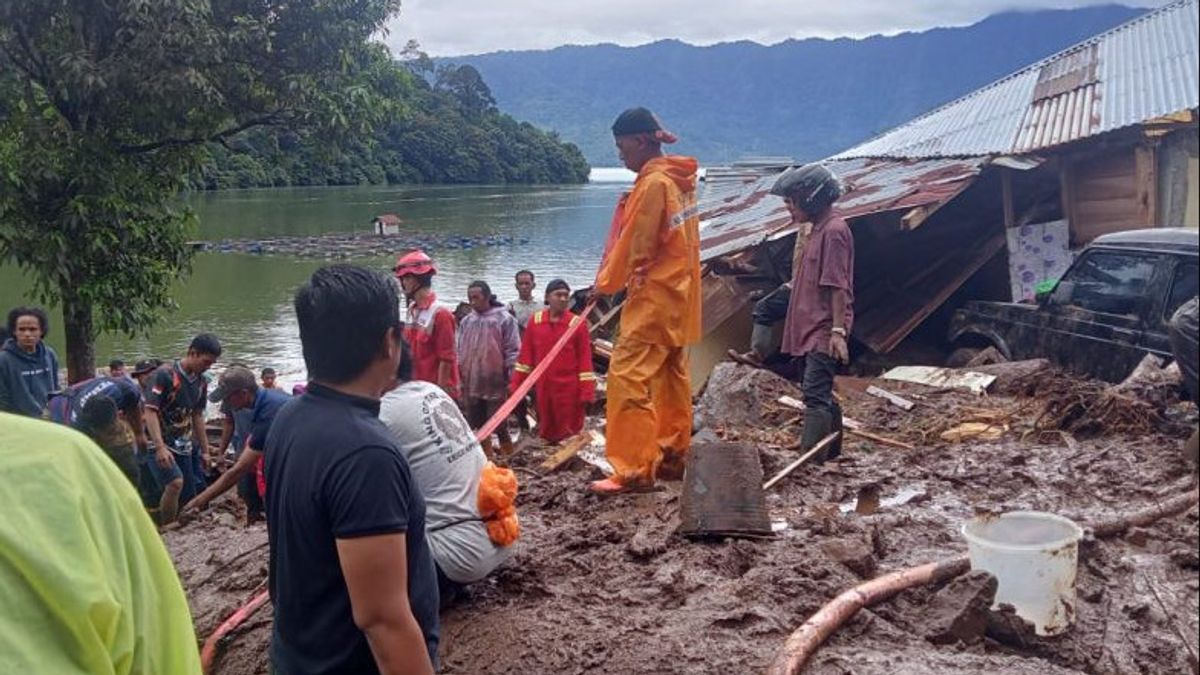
[656, 255]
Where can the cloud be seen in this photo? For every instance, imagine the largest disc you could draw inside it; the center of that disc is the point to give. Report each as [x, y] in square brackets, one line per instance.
[456, 27]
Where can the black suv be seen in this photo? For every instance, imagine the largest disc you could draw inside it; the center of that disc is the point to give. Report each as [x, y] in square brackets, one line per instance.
[1108, 311]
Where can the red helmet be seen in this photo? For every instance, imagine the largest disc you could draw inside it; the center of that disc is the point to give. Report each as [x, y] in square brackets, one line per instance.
[414, 262]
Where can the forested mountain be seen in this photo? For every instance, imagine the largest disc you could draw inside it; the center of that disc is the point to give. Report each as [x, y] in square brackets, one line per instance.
[805, 98]
[446, 129]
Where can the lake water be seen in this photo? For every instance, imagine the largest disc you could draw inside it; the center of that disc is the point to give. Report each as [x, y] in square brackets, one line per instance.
[247, 300]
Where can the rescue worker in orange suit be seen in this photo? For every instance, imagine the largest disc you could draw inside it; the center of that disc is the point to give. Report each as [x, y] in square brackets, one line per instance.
[569, 383]
[655, 257]
[429, 327]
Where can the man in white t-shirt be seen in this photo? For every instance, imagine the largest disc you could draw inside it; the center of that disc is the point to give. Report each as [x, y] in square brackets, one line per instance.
[446, 462]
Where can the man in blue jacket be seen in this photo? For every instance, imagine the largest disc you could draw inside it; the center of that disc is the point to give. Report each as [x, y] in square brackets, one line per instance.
[28, 366]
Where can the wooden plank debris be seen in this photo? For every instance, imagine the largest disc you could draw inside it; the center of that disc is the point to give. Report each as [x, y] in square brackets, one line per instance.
[976, 383]
[882, 440]
[567, 451]
[824, 443]
[896, 400]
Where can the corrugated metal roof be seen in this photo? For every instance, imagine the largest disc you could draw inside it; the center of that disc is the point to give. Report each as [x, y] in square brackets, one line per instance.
[737, 216]
[1146, 68]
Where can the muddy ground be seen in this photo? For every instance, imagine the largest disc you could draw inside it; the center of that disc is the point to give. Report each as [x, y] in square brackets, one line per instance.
[605, 586]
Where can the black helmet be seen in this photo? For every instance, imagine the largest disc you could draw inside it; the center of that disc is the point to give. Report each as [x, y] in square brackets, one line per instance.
[813, 187]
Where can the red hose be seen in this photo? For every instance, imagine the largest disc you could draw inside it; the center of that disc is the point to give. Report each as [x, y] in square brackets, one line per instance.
[519, 393]
[209, 652]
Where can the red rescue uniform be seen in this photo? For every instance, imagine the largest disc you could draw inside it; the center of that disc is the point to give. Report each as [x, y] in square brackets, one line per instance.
[568, 384]
[430, 333]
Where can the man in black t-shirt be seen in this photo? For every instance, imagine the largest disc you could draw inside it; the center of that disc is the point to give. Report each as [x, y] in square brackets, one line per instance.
[352, 579]
[175, 398]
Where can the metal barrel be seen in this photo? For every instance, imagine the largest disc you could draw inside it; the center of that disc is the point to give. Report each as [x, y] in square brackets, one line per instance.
[722, 492]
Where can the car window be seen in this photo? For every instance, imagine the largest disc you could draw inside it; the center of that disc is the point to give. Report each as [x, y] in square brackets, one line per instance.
[1183, 287]
[1112, 282]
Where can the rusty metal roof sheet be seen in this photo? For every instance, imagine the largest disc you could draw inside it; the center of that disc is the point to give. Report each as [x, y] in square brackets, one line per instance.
[737, 216]
[1141, 70]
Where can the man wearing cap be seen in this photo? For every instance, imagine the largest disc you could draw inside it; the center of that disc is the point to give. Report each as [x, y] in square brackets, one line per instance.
[821, 308]
[429, 328]
[236, 388]
[655, 257]
[569, 384]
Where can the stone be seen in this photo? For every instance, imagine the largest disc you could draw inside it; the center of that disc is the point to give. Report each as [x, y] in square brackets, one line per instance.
[959, 612]
[741, 396]
[855, 554]
[1187, 558]
[1005, 626]
[642, 546]
[1138, 536]
[1011, 374]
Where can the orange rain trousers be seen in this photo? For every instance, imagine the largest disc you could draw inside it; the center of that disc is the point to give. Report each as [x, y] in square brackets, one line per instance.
[649, 408]
[653, 253]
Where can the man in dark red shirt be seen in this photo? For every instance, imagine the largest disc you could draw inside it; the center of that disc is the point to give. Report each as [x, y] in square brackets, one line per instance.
[821, 309]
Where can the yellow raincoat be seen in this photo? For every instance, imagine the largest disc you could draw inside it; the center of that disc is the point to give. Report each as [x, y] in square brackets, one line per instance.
[656, 258]
[86, 585]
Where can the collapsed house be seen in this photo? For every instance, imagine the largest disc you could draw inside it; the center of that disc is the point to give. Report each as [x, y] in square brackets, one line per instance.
[985, 197]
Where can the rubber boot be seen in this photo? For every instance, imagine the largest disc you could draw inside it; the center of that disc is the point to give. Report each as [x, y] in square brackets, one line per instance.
[817, 424]
[762, 341]
[835, 448]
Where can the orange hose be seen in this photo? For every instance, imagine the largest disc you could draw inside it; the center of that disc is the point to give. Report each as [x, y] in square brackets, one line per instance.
[805, 641]
[209, 652]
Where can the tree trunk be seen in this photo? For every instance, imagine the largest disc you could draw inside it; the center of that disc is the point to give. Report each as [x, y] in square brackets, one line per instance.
[81, 339]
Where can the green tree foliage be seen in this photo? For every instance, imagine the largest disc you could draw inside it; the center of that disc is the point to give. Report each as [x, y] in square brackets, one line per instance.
[447, 131]
[107, 107]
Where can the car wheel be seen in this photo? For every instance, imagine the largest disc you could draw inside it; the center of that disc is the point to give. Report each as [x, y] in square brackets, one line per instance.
[962, 356]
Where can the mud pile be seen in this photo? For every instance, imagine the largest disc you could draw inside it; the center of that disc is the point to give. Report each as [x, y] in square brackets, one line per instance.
[605, 586]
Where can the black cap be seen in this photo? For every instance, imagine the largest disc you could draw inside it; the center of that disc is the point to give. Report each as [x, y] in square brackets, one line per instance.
[557, 285]
[145, 366]
[641, 121]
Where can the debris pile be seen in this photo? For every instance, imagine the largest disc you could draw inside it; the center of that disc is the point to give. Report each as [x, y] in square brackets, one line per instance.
[1090, 408]
[608, 585]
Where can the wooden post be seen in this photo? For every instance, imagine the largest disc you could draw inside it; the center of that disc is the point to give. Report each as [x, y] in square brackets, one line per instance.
[1067, 194]
[1146, 172]
[1010, 217]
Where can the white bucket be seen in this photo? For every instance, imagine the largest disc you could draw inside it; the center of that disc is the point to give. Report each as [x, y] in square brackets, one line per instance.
[1034, 557]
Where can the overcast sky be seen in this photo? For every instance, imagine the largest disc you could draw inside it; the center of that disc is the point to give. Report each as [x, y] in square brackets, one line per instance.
[456, 27]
